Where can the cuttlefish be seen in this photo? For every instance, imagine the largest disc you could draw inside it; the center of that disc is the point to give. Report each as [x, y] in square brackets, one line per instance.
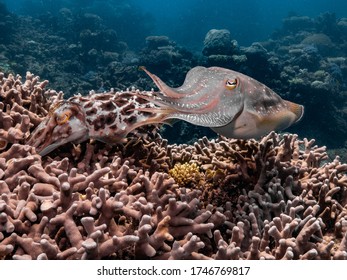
[107, 117]
[230, 103]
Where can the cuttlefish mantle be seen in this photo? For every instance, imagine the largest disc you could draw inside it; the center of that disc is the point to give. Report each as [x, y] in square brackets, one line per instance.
[230, 103]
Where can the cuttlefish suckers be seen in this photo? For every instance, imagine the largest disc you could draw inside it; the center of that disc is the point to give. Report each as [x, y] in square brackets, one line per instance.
[230, 103]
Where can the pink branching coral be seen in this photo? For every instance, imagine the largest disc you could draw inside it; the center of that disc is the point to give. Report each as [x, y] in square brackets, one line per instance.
[277, 198]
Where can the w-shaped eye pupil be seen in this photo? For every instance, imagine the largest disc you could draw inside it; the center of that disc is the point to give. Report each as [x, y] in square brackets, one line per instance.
[231, 82]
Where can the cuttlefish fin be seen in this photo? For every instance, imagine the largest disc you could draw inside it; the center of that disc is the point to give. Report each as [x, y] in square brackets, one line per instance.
[164, 88]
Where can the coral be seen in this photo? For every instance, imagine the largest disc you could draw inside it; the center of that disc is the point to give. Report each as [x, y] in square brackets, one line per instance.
[257, 59]
[276, 198]
[160, 53]
[22, 105]
[155, 42]
[321, 41]
[328, 24]
[185, 173]
[306, 56]
[219, 42]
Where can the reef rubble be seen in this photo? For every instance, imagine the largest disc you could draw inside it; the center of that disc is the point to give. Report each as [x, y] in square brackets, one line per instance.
[277, 198]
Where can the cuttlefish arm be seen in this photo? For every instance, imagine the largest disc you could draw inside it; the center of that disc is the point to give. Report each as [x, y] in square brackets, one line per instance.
[264, 111]
[229, 102]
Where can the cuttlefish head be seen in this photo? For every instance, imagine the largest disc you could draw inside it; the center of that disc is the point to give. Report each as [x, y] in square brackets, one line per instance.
[209, 97]
[229, 102]
[64, 123]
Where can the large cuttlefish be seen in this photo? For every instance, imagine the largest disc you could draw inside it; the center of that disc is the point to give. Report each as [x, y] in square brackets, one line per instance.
[230, 103]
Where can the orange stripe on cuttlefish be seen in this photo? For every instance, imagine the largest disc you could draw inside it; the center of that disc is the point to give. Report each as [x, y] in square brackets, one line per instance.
[63, 118]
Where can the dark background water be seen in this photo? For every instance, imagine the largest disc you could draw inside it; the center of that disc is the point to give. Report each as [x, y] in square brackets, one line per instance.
[248, 20]
[187, 21]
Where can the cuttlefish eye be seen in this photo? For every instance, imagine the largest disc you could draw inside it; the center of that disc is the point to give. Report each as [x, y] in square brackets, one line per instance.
[231, 84]
[63, 117]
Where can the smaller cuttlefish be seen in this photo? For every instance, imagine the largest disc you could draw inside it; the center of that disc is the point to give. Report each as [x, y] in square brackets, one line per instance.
[106, 117]
[230, 103]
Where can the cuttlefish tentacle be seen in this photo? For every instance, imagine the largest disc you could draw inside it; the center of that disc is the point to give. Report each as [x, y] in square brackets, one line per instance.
[229, 102]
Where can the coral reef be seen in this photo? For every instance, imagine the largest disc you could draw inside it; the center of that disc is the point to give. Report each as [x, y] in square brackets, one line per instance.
[276, 198]
[320, 41]
[220, 48]
[218, 41]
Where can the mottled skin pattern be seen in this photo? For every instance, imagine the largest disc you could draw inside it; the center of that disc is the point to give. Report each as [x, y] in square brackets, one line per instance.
[229, 102]
[107, 117]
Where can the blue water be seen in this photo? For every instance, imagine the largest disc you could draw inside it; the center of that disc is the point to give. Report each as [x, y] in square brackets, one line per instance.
[248, 20]
[187, 21]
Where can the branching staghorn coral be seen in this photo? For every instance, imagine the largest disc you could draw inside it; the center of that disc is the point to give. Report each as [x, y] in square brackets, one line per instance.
[276, 198]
